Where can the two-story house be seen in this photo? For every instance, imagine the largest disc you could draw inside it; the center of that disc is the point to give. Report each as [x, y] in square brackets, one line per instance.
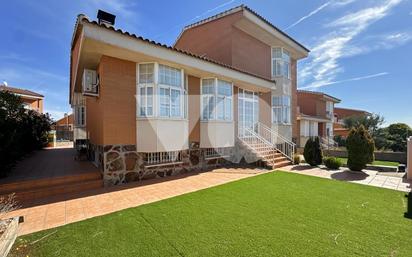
[224, 93]
[315, 116]
[31, 100]
[340, 115]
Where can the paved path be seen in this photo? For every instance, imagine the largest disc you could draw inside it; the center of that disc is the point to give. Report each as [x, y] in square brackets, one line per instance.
[368, 177]
[49, 163]
[67, 209]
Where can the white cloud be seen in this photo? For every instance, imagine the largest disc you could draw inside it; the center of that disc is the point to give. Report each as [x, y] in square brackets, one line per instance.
[322, 84]
[320, 8]
[118, 7]
[334, 3]
[194, 18]
[323, 65]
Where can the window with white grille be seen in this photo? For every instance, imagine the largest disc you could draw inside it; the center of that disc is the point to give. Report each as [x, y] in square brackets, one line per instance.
[162, 157]
[217, 152]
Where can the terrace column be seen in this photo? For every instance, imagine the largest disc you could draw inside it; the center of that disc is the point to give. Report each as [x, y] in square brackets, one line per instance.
[409, 164]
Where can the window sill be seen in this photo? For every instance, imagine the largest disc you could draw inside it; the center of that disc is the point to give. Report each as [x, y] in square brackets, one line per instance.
[216, 121]
[281, 77]
[285, 124]
[161, 118]
[163, 164]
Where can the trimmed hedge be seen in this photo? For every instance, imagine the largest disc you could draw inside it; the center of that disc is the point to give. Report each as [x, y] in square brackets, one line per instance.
[360, 146]
[312, 152]
[332, 163]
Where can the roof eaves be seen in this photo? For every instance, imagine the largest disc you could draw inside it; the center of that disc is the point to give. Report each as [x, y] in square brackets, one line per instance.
[134, 36]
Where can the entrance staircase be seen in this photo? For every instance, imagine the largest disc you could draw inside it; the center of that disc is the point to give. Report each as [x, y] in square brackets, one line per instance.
[273, 149]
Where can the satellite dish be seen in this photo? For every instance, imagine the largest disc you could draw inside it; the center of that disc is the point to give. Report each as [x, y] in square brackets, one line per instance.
[5, 83]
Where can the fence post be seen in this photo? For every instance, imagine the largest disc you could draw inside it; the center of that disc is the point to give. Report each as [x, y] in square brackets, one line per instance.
[409, 162]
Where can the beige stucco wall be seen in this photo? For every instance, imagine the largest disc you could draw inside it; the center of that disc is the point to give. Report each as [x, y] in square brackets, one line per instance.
[162, 135]
[217, 134]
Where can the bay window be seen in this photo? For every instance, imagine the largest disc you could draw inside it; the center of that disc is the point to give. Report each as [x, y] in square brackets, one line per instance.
[281, 109]
[280, 62]
[167, 83]
[216, 99]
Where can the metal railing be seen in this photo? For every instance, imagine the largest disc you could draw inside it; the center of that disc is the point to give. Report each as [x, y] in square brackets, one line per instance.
[282, 144]
[328, 142]
[254, 141]
[266, 138]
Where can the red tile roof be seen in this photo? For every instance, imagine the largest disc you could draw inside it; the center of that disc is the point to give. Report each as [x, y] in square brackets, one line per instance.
[83, 18]
[243, 7]
[20, 91]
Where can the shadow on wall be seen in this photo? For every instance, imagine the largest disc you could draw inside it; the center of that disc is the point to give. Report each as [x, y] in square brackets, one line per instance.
[408, 213]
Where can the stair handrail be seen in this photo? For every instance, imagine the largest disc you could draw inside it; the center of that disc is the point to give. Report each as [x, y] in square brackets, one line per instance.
[283, 145]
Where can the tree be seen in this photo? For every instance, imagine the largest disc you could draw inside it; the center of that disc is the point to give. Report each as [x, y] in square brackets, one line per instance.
[312, 152]
[371, 122]
[397, 135]
[360, 146]
[21, 130]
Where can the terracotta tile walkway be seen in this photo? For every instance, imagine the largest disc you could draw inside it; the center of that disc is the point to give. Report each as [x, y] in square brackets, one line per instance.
[368, 177]
[71, 208]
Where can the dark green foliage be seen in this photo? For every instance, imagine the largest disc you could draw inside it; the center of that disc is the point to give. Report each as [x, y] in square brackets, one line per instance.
[312, 152]
[397, 135]
[370, 122]
[341, 141]
[360, 146]
[332, 163]
[21, 130]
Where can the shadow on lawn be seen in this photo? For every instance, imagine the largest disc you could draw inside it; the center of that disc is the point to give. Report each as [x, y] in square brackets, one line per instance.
[408, 213]
[346, 175]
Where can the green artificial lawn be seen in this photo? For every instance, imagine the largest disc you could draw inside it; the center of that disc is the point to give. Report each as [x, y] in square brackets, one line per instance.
[383, 163]
[275, 214]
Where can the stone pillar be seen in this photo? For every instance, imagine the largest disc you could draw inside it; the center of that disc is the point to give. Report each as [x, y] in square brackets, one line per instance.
[409, 164]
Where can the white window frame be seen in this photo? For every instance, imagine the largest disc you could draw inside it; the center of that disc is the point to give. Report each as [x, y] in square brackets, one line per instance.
[80, 110]
[282, 107]
[156, 93]
[216, 95]
[283, 61]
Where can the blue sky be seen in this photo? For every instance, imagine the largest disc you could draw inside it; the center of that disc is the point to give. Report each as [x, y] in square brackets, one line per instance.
[361, 49]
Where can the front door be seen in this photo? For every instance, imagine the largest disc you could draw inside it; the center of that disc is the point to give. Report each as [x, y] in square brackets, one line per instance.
[248, 107]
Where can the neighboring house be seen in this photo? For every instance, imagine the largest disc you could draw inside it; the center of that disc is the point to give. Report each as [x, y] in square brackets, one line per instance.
[340, 115]
[65, 123]
[315, 116]
[31, 100]
[225, 92]
[64, 128]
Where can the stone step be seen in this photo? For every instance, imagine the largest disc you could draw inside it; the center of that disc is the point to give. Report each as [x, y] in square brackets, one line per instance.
[281, 164]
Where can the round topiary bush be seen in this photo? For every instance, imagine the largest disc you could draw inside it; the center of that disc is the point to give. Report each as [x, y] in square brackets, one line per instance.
[360, 146]
[332, 163]
[312, 152]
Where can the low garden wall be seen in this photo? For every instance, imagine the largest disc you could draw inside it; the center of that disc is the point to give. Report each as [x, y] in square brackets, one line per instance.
[9, 236]
[381, 156]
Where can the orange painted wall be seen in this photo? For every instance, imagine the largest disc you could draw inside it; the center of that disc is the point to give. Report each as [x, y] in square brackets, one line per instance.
[311, 104]
[111, 117]
[212, 39]
[194, 109]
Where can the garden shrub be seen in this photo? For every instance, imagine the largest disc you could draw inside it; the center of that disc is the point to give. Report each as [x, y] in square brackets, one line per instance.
[312, 152]
[332, 163]
[296, 159]
[22, 131]
[360, 146]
